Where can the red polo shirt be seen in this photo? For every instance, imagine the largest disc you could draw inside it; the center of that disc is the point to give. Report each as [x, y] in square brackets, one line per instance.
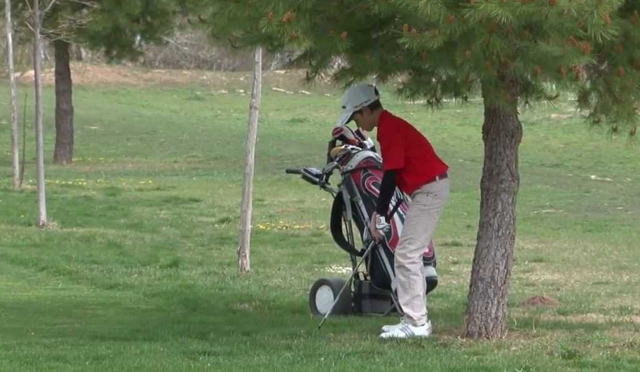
[407, 151]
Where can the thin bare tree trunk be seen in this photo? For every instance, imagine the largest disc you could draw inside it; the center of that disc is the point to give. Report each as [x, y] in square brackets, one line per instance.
[13, 100]
[24, 141]
[37, 69]
[247, 192]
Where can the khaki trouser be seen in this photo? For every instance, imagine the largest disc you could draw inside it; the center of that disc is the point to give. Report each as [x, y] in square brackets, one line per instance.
[424, 211]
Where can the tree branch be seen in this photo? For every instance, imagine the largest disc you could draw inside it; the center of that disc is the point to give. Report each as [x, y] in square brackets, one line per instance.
[46, 10]
[87, 3]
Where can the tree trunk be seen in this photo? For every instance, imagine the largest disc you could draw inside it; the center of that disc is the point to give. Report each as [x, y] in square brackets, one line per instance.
[486, 316]
[63, 153]
[244, 249]
[13, 99]
[37, 70]
[78, 53]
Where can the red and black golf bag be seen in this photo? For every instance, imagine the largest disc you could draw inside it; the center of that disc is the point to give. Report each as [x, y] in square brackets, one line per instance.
[354, 156]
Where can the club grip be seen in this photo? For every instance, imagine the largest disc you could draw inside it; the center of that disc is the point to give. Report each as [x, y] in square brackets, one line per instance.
[293, 171]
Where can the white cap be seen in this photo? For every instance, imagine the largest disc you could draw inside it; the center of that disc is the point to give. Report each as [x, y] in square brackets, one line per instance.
[355, 98]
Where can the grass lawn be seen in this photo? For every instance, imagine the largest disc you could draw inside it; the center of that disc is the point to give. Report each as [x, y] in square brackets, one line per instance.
[139, 272]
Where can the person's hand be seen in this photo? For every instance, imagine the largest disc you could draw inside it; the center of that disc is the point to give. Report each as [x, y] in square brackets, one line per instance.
[375, 233]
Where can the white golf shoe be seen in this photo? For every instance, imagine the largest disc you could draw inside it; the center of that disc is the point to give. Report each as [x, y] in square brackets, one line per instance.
[404, 330]
[391, 327]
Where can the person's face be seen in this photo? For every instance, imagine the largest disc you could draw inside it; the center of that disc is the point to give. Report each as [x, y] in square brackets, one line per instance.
[365, 119]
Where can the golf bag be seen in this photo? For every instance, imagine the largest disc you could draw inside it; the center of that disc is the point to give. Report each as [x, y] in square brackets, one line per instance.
[361, 171]
[354, 156]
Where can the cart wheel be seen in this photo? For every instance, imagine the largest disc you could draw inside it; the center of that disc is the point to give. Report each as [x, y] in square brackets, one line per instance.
[324, 292]
[432, 283]
[431, 276]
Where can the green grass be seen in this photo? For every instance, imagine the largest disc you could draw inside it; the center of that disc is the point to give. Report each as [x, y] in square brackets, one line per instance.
[139, 273]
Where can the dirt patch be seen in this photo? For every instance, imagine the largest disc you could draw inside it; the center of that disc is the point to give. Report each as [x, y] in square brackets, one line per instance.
[85, 74]
[289, 81]
[540, 301]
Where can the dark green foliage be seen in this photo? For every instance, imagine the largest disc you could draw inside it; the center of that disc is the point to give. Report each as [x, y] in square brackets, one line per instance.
[119, 27]
[448, 48]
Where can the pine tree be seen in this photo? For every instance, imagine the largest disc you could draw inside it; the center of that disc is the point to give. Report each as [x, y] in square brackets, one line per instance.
[504, 50]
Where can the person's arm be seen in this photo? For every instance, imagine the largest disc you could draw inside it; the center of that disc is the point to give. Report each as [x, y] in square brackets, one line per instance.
[392, 145]
[387, 189]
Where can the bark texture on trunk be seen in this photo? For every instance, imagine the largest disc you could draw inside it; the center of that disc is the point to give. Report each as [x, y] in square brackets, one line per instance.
[244, 250]
[13, 98]
[63, 153]
[486, 315]
[37, 71]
